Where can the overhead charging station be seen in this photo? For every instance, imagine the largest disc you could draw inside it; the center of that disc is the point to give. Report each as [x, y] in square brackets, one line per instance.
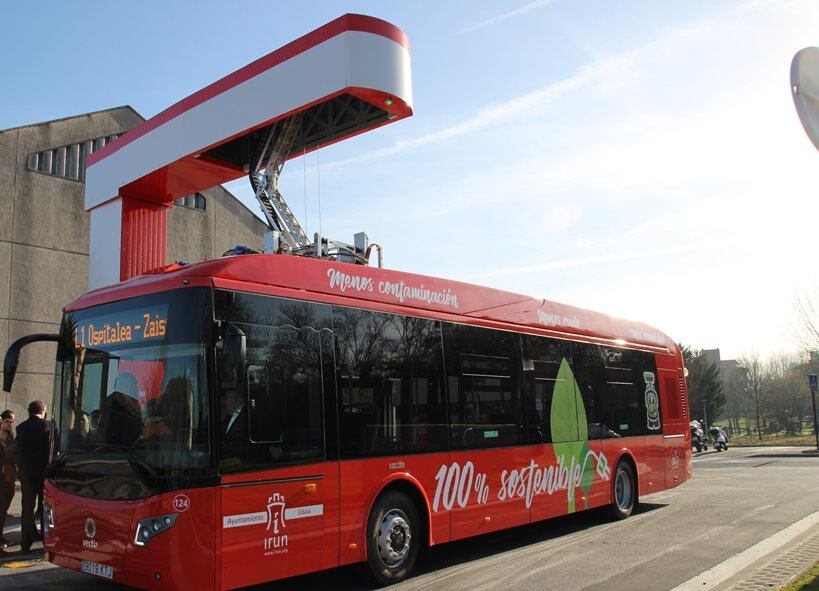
[349, 76]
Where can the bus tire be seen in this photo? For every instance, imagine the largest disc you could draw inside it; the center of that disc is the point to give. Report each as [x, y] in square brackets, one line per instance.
[624, 490]
[394, 538]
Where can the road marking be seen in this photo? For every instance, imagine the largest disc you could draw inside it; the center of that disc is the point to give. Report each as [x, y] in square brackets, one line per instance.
[757, 511]
[724, 570]
[724, 460]
[560, 542]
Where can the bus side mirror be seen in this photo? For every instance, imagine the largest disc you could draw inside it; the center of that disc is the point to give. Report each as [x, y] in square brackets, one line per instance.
[234, 357]
[12, 357]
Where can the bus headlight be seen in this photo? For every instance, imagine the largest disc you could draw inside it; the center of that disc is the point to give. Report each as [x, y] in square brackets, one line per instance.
[153, 526]
[48, 518]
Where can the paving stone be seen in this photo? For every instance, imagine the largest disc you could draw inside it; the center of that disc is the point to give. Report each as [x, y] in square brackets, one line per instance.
[782, 569]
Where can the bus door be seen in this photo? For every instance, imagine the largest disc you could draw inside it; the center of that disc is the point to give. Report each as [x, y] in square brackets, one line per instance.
[488, 444]
[552, 402]
[564, 430]
[276, 484]
[677, 447]
[592, 391]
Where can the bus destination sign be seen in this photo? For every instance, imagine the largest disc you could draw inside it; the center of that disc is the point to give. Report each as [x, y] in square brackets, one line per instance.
[123, 328]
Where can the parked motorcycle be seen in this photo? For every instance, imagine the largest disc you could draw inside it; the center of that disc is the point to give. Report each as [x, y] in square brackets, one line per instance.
[698, 439]
[720, 438]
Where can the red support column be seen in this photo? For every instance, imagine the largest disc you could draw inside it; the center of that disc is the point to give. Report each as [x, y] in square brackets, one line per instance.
[144, 237]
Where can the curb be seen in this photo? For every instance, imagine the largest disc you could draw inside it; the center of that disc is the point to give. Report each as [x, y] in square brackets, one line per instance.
[746, 564]
[804, 454]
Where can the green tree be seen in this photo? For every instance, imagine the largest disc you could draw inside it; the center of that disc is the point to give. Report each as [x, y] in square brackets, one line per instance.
[705, 387]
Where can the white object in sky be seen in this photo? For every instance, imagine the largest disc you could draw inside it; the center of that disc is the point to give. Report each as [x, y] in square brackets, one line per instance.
[805, 89]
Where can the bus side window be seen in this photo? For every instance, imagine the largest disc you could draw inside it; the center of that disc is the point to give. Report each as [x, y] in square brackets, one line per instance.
[280, 419]
[622, 392]
[280, 410]
[542, 358]
[390, 380]
[484, 379]
[589, 367]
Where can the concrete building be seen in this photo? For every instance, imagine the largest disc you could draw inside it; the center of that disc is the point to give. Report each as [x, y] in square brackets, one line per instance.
[44, 232]
[725, 366]
[712, 356]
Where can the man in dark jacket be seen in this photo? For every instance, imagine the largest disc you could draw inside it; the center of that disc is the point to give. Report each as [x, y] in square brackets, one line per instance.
[8, 470]
[33, 440]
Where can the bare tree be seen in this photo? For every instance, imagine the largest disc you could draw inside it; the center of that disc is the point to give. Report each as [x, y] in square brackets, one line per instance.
[736, 395]
[783, 400]
[757, 376]
[806, 320]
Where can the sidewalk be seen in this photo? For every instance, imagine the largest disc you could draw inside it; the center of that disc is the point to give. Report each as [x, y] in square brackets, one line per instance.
[781, 452]
[12, 534]
[778, 568]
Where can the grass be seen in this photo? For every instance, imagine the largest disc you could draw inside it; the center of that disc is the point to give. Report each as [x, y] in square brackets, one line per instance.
[775, 439]
[807, 582]
[742, 439]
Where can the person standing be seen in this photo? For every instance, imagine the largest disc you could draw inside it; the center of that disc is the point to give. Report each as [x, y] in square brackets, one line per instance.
[33, 440]
[8, 470]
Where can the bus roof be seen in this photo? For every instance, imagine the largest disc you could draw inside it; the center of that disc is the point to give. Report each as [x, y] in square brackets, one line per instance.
[388, 290]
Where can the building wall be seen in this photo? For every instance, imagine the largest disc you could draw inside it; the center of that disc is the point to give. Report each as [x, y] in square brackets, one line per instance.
[44, 239]
[712, 356]
[196, 235]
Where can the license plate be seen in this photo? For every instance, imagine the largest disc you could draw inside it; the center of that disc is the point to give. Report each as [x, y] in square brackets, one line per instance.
[100, 570]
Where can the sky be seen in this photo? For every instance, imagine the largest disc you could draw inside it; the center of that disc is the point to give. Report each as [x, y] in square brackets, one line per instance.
[642, 159]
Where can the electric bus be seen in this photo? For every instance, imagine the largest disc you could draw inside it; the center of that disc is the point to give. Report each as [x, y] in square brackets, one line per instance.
[256, 417]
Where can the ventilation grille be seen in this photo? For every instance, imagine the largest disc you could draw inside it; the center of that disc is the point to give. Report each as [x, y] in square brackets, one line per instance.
[683, 400]
[67, 162]
[672, 402]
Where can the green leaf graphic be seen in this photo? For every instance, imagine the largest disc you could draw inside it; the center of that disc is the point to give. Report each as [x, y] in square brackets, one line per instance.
[567, 451]
[570, 430]
[563, 415]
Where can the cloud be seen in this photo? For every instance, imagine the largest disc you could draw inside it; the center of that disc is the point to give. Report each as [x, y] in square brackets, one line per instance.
[610, 72]
[534, 5]
[501, 112]
[562, 217]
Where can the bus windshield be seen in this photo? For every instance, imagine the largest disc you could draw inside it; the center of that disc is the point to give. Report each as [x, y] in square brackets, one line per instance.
[135, 383]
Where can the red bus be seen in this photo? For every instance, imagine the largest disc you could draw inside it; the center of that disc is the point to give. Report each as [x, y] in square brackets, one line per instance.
[255, 417]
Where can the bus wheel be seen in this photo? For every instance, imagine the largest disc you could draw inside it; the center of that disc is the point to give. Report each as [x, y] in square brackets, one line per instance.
[393, 538]
[625, 491]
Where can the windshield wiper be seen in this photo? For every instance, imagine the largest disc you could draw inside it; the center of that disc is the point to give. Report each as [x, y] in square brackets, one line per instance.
[145, 471]
[57, 462]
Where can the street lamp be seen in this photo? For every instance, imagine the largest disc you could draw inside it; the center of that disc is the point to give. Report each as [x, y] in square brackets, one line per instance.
[704, 419]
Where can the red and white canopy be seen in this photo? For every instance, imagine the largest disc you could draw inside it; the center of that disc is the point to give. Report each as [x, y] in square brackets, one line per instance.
[346, 77]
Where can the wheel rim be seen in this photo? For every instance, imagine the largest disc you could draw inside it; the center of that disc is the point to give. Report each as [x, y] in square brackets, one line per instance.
[394, 538]
[622, 490]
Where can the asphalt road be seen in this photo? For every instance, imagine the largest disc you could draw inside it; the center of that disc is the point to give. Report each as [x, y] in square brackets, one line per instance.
[734, 500]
